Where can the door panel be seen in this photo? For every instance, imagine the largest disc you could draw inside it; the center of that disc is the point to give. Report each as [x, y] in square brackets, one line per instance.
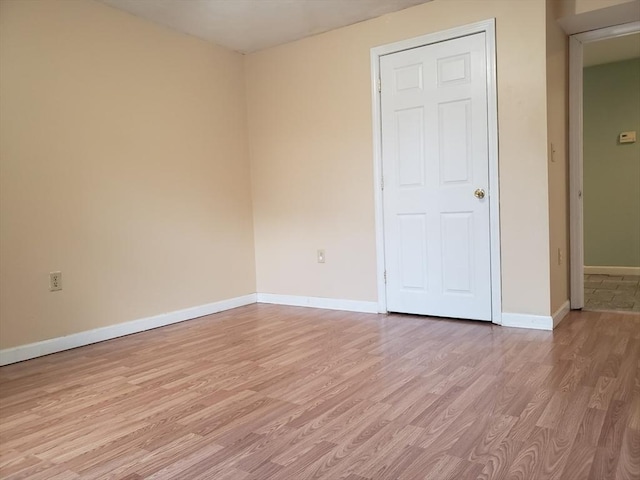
[435, 156]
[454, 130]
[410, 154]
[413, 248]
[457, 251]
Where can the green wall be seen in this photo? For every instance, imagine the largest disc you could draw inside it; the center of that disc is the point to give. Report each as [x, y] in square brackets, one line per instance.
[611, 170]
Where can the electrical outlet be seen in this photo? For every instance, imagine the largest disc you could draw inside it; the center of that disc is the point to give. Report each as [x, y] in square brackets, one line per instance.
[560, 257]
[55, 281]
[321, 256]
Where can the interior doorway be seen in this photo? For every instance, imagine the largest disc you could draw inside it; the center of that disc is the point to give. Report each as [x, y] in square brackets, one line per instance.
[605, 168]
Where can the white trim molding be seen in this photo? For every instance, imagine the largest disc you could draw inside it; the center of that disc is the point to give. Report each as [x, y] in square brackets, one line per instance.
[596, 270]
[601, 18]
[576, 219]
[536, 322]
[59, 344]
[46, 347]
[523, 320]
[489, 28]
[319, 302]
[561, 313]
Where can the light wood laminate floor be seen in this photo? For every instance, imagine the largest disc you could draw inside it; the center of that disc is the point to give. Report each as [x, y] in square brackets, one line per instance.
[271, 392]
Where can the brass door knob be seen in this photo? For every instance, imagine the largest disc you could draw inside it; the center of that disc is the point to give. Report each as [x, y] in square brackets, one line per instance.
[479, 193]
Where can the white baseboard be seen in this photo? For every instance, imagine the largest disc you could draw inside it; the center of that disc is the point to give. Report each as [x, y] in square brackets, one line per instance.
[522, 320]
[38, 349]
[319, 302]
[594, 270]
[562, 312]
[46, 347]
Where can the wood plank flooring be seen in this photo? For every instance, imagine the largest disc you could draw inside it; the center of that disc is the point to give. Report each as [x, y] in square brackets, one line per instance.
[271, 392]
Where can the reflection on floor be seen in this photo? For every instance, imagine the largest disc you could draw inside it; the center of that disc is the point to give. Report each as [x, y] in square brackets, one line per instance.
[609, 292]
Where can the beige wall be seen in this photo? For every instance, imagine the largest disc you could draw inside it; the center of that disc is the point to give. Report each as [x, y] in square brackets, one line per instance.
[557, 132]
[124, 164]
[311, 152]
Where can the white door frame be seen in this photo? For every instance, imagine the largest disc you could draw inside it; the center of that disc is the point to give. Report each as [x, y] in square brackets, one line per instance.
[487, 26]
[576, 216]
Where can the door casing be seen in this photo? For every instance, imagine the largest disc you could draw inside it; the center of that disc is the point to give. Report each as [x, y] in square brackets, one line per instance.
[487, 26]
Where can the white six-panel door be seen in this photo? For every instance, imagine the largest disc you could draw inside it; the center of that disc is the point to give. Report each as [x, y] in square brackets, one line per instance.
[435, 170]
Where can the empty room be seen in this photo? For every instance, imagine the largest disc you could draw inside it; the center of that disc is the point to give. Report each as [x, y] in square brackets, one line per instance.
[332, 239]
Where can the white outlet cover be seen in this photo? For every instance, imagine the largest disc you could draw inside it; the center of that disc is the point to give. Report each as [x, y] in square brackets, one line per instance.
[55, 281]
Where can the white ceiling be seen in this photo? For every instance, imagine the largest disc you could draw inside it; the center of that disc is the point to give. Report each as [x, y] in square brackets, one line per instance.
[612, 50]
[250, 25]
